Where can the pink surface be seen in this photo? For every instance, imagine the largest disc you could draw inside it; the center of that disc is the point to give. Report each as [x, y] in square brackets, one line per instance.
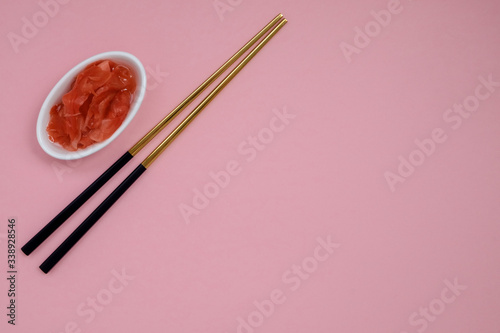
[373, 206]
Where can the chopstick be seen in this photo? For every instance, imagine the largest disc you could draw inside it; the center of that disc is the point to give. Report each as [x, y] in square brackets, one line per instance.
[57, 221]
[85, 226]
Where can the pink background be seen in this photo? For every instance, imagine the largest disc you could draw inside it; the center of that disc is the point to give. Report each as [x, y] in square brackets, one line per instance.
[321, 176]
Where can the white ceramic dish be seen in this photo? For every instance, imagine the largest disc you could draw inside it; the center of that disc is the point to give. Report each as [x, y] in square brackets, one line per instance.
[63, 86]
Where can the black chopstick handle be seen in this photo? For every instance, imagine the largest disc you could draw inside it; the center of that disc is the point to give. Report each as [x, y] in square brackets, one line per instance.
[57, 221]
[85, 226]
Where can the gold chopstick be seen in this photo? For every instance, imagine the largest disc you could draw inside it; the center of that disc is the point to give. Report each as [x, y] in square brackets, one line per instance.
[164, 122]
[171, 137]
